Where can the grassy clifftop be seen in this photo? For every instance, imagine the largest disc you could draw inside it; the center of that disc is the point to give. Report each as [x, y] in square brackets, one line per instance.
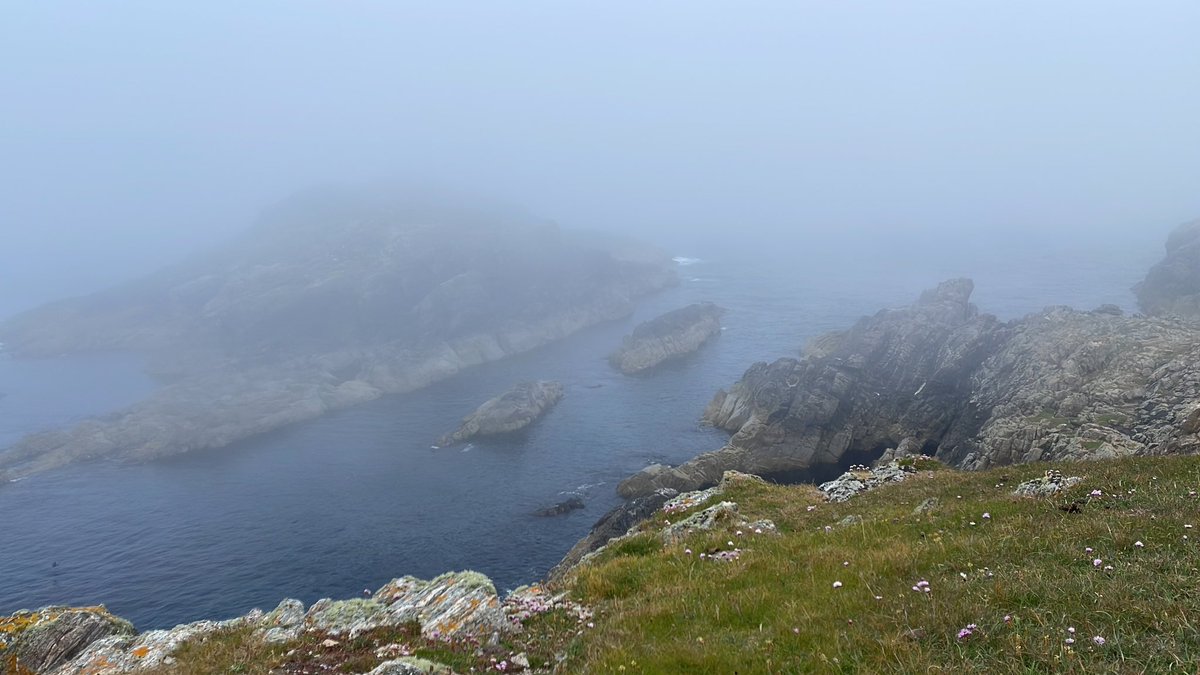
[946, 571]
[1082, 581]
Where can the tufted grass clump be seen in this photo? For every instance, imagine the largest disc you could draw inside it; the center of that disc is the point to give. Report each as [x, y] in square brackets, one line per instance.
[1101, 577]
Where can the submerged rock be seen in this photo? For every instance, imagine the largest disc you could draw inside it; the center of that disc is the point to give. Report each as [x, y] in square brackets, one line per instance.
[511, 411]
[565, 506]
[671, 335]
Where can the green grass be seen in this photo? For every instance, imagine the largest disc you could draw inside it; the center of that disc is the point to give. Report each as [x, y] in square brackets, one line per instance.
[1023, 576]
[775, 609]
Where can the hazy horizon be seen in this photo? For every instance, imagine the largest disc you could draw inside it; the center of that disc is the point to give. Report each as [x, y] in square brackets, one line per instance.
[136, 132]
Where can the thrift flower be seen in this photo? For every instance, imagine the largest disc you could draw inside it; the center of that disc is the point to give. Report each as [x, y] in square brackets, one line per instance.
[987, 516]
[1097, 562]
[1098, 640]
[1139, 544]
[837, 584]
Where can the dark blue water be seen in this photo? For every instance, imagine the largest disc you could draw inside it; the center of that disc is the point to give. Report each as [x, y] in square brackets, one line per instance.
[346, 502]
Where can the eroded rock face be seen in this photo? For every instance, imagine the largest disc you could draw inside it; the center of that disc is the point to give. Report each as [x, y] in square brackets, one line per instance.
[671, 335]
[1172, 287]
[511, 411]
[939, 378]
[44, 640]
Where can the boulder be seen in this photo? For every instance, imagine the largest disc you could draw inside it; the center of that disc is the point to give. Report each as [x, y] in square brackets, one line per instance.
[511, 411]
[669, 336]
[452, 605]
[1050, 484]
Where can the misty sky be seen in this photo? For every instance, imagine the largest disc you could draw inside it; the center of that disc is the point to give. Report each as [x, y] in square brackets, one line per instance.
[133, 131]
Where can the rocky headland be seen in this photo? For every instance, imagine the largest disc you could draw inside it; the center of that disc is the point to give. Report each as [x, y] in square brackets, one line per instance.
[669, 336]
[511, 411]
[940, 378]
[335, 298]
[1172, 287]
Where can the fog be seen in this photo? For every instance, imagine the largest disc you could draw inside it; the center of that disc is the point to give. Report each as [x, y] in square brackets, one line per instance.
[134, 132]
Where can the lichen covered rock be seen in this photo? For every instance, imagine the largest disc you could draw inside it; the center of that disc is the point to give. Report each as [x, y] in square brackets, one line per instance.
[47, 638]
[452, 605]
[1049, 484]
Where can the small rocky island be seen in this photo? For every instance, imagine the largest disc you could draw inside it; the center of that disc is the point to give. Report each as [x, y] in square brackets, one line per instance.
[669, 336]
[511, 411]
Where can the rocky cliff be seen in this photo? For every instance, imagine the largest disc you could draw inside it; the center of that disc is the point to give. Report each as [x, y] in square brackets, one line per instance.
[1172, 287]
[940, 378]
[511, 411]
[333, 299]
[669, 336]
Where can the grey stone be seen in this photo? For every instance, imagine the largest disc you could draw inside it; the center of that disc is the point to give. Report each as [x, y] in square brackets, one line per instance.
[511, 411]
[669, 336]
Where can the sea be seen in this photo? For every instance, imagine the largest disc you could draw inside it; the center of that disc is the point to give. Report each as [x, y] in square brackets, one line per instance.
[343, 503]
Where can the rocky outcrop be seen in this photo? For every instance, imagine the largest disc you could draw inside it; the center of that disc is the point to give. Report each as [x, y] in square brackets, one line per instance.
[622, 520]
[861, 479]
[669, 336]
[511, 411]
[611, 525]
[1172, 287]
[939, 378]
[454, 606]
[46, 639]
[332, 300]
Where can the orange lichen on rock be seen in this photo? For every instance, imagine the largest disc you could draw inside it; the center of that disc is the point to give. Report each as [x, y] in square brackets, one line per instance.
[141, 652]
